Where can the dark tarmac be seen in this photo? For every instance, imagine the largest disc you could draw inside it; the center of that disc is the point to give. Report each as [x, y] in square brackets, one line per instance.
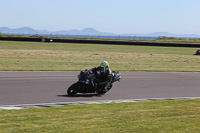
[27, 87]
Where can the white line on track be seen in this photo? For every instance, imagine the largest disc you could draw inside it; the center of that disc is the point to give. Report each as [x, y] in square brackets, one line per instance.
[42, 105]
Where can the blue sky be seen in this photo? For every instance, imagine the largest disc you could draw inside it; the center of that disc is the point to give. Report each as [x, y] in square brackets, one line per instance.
[115, 16]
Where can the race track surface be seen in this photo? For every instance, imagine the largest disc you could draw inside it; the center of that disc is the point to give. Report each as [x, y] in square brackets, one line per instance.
[50, 87]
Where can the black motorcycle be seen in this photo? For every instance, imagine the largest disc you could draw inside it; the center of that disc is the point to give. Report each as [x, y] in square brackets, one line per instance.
[87, 83]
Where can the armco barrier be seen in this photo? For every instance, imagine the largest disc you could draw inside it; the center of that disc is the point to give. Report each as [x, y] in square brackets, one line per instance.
[21, 39]
[116, 42]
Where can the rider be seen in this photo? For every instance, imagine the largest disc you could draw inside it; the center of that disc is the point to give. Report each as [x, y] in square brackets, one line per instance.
[104, 77]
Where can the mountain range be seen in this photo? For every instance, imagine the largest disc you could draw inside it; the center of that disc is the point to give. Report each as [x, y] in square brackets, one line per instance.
[28, 30]
[88, 31]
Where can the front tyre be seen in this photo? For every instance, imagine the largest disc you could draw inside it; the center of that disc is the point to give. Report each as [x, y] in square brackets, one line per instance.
[73, 89]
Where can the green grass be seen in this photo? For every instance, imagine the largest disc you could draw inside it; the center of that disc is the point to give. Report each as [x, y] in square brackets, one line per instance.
[34, 56]
[179, 116]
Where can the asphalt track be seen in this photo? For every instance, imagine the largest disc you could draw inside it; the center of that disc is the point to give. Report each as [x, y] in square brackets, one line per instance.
[27, 87]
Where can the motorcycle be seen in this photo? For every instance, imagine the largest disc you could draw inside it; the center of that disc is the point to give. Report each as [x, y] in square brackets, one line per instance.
[86, 83]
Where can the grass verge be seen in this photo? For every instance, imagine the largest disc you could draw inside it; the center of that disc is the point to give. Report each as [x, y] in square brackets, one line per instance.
[150, 116]
[37, 56]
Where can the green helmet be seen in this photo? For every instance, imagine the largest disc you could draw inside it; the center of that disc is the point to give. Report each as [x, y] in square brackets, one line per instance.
[104, 66]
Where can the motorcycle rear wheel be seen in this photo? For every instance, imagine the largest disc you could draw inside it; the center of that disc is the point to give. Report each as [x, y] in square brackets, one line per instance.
[73, 89]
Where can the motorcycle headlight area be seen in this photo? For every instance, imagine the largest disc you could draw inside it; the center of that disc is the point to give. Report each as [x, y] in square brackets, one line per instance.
[87, 81]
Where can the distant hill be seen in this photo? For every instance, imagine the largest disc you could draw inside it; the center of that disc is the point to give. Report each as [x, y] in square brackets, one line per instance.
[88, 31]
[19, 30]
[27, 30]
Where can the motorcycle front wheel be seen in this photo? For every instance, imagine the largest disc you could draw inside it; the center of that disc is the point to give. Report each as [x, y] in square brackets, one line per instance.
[73, 89]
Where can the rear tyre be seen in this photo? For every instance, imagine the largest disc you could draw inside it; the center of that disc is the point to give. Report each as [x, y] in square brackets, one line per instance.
[73, 89]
